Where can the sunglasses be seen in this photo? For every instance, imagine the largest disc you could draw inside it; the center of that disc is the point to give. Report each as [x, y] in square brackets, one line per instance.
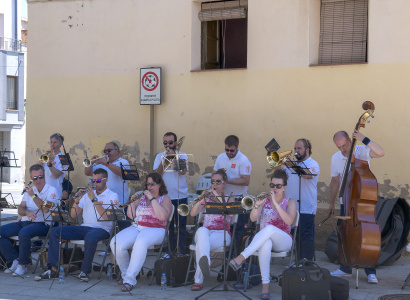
[97, 180]
[151, 183]
[168, 143]
[37, 177]
[278, 186]
[218, 182]
[230, 150]
[108, 150]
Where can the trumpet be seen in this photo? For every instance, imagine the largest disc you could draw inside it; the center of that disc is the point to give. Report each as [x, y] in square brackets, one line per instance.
[88, 162]
[48, 204]
[278, 158]
[248, 202]
[133, 198]
[45, 157]
[183, 209]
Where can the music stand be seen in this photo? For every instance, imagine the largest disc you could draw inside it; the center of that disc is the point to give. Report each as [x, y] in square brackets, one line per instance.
[5, 163]
[128, 172]
[300, 169]
[224, 208]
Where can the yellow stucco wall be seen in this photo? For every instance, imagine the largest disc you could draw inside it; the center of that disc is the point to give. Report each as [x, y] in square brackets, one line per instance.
[83, 82]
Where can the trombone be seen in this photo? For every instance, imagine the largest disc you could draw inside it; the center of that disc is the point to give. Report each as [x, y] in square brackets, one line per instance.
[88, 162]
[248, 202]
[278, 158]
[183, 209]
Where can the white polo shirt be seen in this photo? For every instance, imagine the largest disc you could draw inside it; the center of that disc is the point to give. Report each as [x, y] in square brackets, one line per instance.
[235, 167]
[49, 194]
[175, 182]
[115, 183]
[55, 182]
[309, 187]
[338, 162]
[90, 213]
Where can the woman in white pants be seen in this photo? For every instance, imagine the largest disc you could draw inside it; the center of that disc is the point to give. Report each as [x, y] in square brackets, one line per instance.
[278, 213]
[211, 235]
[150, 214]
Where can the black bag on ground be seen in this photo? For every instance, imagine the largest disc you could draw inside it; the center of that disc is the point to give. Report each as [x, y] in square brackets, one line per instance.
[232, 275]
[339, 288]
[175, 269]
[308, 282]
[331, 248]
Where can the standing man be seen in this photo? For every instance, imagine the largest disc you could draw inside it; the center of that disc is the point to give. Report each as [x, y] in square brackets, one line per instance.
[93, 230]
[238, 169]
[307, 198]
[177, 189]
[32, 223]
[54, 170]
[363, 152]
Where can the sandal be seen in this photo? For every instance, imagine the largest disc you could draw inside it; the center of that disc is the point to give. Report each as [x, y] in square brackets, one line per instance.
[265, 296]
[204, 266]
[235, 266]
[126, 287]
[196, 287]
[120, 281]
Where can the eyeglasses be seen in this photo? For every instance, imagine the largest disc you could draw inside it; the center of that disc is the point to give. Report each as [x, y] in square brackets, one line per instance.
[37, 177]
[108, 150]
[97, 180]
[218, 182]
[230, 150]
[168, 143]
[151, 183]
[278, 186]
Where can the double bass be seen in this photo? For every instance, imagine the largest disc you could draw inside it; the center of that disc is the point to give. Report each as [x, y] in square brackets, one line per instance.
[359, 233]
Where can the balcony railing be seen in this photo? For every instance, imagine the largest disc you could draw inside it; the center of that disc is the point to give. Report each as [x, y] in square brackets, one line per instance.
[10, 44]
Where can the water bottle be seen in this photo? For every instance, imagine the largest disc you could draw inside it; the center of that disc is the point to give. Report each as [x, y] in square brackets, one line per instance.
[109, 272]
[61, 276]
[163, 282]
[245, 283]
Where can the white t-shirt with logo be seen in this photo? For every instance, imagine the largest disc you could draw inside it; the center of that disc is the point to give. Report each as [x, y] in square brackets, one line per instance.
[49, 194]
[51, 180]
[115, 183]
[235, 167]
[175, 182]
[338, 162]
[308, 187]
[90, 213]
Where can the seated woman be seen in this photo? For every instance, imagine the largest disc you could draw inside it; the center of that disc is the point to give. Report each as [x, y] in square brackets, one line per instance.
[278, 213]
[211, 235]
[150, 214]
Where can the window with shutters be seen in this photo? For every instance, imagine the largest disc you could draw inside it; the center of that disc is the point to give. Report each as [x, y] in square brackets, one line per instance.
[343, 31]
[224, 32]
[11, 92]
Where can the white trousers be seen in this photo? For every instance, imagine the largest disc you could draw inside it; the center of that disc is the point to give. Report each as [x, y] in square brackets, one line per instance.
[207, 240]
[267, 239]
[139, 238]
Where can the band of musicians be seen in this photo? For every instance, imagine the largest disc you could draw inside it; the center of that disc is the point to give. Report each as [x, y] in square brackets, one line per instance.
[153, 214]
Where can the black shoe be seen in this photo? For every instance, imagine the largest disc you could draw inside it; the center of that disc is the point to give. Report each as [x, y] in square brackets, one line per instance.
[83, 277]
[49, 274]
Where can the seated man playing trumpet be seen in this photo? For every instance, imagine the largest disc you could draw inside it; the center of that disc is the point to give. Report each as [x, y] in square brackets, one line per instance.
[278, 213]
[211, 235]
[150, 212]
[32, 224]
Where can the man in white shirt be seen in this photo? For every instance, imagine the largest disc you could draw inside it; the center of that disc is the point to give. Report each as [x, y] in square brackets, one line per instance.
[308, 196]
[94, 229]
[238, 169]
[33, 212]
[337, 167]
[176, 184]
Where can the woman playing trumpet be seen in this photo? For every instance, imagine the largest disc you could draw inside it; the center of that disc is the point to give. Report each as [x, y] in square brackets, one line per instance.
[150, 214]
[211, 235]
[277, 215]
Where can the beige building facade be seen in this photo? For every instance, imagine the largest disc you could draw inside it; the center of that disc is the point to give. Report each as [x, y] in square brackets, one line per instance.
[84, 82]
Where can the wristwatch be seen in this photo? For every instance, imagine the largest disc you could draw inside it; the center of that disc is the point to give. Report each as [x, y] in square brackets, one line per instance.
[49, 165]
[153, 198]
[34, 196]
[94, 200]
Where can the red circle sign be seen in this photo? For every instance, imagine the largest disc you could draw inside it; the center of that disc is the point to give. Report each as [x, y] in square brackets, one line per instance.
[150, 81]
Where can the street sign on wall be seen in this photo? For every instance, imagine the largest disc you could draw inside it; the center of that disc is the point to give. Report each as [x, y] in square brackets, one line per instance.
[150, 86]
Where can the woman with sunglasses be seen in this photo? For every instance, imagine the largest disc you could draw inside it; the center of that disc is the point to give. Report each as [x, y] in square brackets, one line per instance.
[150, 214]
[277, 214]
[211, 235]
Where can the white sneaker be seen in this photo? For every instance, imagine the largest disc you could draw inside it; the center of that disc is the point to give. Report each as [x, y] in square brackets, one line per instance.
[408, 247]
[20, 271]
[12, 268]
[371, 278]
[340, 273]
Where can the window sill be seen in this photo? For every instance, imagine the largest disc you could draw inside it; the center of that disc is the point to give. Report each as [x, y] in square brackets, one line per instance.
[346, 64]
[218, 70]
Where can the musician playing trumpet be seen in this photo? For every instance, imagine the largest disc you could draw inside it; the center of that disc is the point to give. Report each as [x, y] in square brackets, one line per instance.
[150, 213]
[211, 235]
[277, 213]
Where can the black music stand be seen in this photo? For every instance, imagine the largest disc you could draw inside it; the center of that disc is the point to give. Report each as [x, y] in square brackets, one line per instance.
[300, 169]
[5, 163]
[224, 208]
[128, 172]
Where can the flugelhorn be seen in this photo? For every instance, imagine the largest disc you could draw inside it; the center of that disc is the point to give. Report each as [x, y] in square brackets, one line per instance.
[183, 209]
[248, 202]
[278, 158]
[133, 198]
[88, 162]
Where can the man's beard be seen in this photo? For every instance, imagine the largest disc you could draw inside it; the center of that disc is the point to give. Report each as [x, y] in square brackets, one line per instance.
[301, 157]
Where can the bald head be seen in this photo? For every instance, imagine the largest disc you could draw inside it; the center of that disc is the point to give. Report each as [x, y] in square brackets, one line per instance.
[342, 142]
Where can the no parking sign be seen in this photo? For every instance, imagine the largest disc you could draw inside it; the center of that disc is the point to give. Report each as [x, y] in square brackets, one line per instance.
[150, 89]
